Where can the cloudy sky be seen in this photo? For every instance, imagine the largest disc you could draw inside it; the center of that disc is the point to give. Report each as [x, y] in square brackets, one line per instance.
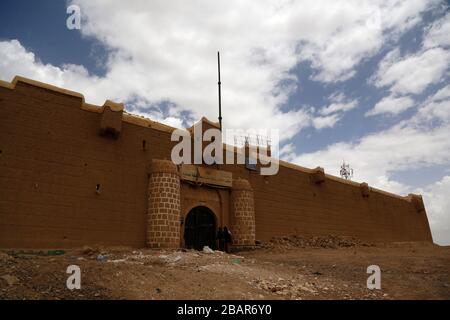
[362, 81]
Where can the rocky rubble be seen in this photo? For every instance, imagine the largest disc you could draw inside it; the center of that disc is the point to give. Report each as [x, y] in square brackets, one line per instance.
[4, 258]
[330, 242]
[315, 272]
[290, 289]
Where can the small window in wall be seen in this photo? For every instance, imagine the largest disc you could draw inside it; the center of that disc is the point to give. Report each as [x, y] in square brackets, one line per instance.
[144, 145]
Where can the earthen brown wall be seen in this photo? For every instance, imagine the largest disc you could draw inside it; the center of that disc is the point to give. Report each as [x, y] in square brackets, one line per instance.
[52, 157]
[288, 203]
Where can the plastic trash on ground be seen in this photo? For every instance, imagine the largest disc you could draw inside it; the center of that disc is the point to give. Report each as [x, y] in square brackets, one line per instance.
[207, 249]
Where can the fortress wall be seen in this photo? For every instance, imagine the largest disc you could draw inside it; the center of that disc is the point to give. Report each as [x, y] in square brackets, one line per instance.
[290, 204]
[52, 157]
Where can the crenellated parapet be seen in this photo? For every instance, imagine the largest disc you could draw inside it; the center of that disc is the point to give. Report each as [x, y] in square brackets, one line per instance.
[111, 120]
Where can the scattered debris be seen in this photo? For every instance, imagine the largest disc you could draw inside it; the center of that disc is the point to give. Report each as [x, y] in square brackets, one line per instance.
[299, 273]
[55, 252]
[330, 242]
[10, 280]
[289, 288]
[117, 260]
[16, 253]
[236, 261]
[171, 258]
[102, 258]
[89, 251]
[4, 257]
[207, 249]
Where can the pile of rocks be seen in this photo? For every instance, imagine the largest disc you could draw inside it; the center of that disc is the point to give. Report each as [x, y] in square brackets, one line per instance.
[330, 241]
[287, 288]
[4, 257]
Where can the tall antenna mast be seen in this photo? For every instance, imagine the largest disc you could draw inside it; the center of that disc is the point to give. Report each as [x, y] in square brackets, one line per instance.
[220, 94]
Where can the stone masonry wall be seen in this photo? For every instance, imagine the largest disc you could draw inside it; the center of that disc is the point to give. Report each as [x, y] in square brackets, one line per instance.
[243, 221]
[163, 228]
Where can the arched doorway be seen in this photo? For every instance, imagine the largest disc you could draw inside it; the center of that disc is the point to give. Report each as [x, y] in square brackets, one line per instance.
[200, 229]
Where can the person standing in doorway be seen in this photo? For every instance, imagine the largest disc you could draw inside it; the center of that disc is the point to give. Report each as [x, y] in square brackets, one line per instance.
[228, 239]
[221, 239]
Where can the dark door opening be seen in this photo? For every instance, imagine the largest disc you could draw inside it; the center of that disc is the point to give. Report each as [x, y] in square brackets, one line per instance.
[200, 229]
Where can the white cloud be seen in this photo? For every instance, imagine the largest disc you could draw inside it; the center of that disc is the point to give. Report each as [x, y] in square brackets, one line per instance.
[328, 116]
[165, 51]
[339, 107]
[417, 142]
[287, 152]
[442, 94]
[392, 105]
[364, 27]
[438, 34]
[437, 202]
[337, 97]
[435, 111]
[413, 73]
[16, 60]
[156, 115]
[376, 156]
[326, 122]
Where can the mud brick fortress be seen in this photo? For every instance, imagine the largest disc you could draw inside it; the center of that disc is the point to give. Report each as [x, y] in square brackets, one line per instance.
[74, 174]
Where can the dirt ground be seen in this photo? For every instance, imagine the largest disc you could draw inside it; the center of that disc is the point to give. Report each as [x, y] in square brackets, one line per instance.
[285, 268]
